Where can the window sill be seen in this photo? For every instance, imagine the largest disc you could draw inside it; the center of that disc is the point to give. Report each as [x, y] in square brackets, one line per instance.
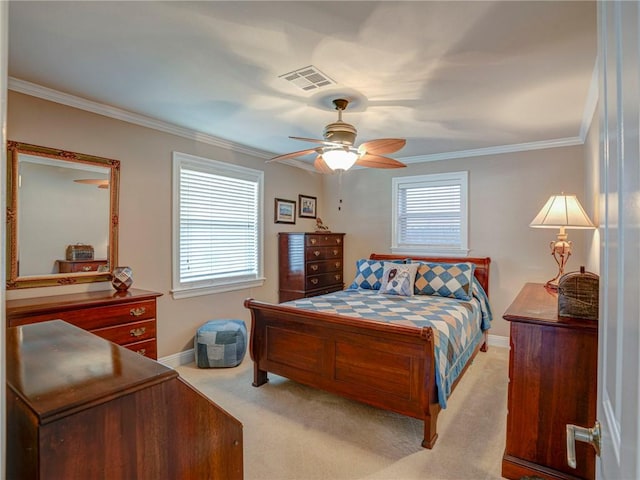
[212, 289]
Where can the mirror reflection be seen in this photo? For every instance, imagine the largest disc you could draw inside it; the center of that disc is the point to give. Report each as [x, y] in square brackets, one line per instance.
[62, 216]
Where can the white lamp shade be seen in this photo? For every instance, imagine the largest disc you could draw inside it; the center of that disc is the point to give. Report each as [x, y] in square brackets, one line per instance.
[339, 159]
[562, 211]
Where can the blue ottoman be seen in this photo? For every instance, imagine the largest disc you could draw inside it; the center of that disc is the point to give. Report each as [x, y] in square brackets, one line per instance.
[220, 343]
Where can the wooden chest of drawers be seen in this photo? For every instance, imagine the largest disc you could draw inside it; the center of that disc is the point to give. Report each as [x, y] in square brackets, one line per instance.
[75, 266]
[79, 407]
[553, 375]
[126, 318]
[310, 264]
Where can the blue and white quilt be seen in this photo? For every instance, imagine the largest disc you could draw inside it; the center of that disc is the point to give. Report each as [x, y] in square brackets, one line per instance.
[457, 324]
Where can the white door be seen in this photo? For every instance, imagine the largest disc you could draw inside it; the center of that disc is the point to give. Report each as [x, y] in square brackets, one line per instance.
[619, 334]
[4, 40]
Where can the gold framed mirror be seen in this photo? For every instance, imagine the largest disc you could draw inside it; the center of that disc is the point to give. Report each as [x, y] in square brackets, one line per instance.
[62, 216]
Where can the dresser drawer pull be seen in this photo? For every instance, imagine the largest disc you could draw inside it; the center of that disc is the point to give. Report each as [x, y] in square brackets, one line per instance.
[316, 253]
[136, 312]
[338, 241]
[137, 332]
[337, 264]
[312, 241]
[142, 351]
[86, 268]
[338, 277]
[314, 267]
[336, 252]
[314, 281]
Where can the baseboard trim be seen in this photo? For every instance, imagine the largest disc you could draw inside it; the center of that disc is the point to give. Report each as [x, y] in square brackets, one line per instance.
[178, 359]
[498, 341]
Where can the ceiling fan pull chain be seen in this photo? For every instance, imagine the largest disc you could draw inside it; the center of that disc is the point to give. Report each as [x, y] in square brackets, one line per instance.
[340, 172]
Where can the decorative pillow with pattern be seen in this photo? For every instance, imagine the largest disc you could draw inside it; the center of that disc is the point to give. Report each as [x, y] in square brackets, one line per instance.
[445, 280]
[398, 279]
[369, 274]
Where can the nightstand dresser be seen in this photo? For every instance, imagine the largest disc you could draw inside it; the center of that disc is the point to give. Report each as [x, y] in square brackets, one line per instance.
[310, 264]
[553, 373]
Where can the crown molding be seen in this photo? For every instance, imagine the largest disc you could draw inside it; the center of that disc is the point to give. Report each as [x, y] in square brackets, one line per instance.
[28, 88]
[480, 152]
[35, 90]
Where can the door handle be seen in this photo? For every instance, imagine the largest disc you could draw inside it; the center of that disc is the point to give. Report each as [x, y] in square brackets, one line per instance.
[582, 434]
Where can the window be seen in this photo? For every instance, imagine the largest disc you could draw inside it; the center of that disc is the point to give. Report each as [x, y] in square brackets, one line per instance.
[217, 226]
[430, 214]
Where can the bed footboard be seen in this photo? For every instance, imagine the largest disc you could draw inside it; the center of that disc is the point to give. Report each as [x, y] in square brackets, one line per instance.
[390, 367]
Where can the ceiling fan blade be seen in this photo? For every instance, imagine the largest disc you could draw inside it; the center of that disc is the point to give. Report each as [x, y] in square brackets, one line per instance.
[102, 183]
[321, 165]
[382, 145]
[323, 142]
[292, 155]
[376, 161]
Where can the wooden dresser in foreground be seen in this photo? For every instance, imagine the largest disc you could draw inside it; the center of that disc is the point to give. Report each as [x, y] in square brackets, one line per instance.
[80, 407]
[553, 374]
[310, 264]
[126, 318]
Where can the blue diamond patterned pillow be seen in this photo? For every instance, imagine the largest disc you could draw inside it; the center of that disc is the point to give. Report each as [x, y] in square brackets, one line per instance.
[445, 280]
[369, 274]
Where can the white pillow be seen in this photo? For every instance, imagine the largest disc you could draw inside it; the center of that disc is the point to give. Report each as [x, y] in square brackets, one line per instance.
[398, 278]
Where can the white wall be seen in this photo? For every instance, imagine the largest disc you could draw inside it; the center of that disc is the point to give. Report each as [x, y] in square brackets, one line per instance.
[145, 207]
[505, 192]
[592, 196]
[4, 23]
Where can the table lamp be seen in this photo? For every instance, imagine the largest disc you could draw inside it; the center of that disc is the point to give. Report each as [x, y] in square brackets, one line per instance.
[561, 211]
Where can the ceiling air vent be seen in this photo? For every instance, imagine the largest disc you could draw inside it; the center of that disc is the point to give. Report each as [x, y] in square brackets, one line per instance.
[308, 78]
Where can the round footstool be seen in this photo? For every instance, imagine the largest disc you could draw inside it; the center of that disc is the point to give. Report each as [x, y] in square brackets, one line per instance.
[220, 343]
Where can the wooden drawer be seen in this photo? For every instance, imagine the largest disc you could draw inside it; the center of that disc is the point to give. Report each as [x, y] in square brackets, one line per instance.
[323, 291]
[98, 317]
[128, 332]
[324, 266]
[323, 240]
[75, 266]
[317, 281]
[146, 348]
[323, 253]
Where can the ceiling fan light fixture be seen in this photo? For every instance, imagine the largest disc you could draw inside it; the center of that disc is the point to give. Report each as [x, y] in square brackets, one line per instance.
[339, 158]
[340, 153]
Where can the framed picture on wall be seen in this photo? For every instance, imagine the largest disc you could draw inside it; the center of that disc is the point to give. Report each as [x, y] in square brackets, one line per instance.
[285, 211]
[307, 206]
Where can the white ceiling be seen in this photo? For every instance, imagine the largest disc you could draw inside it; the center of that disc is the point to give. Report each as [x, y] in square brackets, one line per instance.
[448, 76]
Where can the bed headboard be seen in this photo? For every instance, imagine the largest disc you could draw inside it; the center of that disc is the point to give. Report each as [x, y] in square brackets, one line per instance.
[481, 271]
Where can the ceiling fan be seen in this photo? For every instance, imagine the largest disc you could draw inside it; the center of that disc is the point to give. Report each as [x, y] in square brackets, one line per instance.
[338, 152]
[101, 183]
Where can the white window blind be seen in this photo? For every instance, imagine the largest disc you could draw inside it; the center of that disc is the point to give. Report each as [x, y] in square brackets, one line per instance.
[218, 229]
[430, 213]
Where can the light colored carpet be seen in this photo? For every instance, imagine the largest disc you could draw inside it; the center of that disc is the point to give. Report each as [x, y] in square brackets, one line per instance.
[293, 432]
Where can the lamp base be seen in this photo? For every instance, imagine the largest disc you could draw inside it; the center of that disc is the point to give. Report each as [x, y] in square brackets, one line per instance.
[552, 284]
[560, 251]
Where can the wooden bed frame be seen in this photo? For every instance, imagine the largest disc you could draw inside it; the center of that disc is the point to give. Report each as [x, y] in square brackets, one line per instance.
[388, 366]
